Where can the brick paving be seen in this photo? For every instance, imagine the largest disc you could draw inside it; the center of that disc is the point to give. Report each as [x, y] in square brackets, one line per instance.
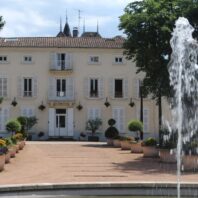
[62, 162]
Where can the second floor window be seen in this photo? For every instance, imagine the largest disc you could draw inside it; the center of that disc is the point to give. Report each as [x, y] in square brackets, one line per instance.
[60, 87]
[27, 87]
[27, 59]
[94, 88]
[3, 59]
[118, 60]
[118, 88]
[3, 86]
[94, 59]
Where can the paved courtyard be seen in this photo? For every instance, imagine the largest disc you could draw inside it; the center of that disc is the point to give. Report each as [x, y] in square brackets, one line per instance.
[61, 162]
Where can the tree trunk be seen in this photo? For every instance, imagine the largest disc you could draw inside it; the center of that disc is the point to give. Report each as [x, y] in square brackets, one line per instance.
[141, 111]
[160, 117]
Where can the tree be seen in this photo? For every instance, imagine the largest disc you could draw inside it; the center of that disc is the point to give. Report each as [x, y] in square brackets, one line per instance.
[2, 22]
[93, 125]
[148, 25]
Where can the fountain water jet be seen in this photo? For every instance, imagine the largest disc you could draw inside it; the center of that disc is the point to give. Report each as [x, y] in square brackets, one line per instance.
[183, 70]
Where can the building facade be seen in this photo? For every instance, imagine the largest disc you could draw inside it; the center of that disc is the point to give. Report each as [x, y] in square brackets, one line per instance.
[72, 77]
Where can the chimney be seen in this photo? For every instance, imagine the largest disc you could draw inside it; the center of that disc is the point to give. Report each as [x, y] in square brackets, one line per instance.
[75, 32]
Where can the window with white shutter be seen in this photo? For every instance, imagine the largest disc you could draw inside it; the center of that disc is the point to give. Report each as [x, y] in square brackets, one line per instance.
[4, 117]
[118, 114]
[27, 111]
[94, 113]
[27, 86]
[3, 86]
[94, 87]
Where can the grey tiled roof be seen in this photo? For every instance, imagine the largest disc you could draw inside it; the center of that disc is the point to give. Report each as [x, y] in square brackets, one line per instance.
[62, 42]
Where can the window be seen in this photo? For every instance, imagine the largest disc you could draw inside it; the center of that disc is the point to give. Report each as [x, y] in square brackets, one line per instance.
[3, 87]
[27, 59]
[27, 111]
[119, 60]
[27, 87]
[4, 117]
[94, 113]
[118, 88]
[94, 88]
[3, 59]
[60, 87]
[61, 60]
[94, 59]
[118, 114]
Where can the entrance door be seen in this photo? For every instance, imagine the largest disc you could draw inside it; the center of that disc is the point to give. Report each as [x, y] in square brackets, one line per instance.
[61, 123]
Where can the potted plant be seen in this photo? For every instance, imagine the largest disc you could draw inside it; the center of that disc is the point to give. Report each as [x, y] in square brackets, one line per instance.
[13, 126]
[93, 125]
[167, 150]
[136, 127]
[8, 154]
[149, 147]
[126, 142]
[3, 151]
[111, 132]
[20, 140]
[11, 142]
[117, 142]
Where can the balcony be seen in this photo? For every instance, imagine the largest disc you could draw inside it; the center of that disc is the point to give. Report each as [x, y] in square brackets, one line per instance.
[61, 66]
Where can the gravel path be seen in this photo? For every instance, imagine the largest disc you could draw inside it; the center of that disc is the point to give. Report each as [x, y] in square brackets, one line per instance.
[62, 162]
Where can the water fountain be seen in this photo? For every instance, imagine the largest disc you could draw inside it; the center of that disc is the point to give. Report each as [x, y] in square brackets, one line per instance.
[183, 70]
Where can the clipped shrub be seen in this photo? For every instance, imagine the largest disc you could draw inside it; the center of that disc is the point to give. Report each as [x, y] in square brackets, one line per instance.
[111, 132]
[111, 122]
[13, 126]
[149, 142]
[135, 125]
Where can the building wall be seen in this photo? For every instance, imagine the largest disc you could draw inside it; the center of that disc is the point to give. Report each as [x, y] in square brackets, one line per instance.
[81, 70]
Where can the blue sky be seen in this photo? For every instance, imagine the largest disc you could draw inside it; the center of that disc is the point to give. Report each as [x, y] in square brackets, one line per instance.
[41, 17]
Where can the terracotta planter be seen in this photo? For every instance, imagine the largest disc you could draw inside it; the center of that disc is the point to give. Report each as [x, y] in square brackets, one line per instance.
[2, 162]
[21, 145]
[190, 162]
[136, 147]
[7, 157]
[116, 143]
[12, 151]
[110, 142]
[150, 151]
[17, 148]
[125, 145]
[167, 155]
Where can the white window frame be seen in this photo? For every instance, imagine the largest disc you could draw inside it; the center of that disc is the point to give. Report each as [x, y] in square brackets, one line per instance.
[28, 92]
[118, 62]
[122, 88]
[4, 93]
[90, 79]
[4, 118]
[62, 93]
[4, 59]
[27, 59]
[118, 124]
[27, 109]
[94, 113]
[94, 59]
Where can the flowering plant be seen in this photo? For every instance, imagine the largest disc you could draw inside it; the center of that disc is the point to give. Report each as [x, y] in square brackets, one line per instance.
[3, 148]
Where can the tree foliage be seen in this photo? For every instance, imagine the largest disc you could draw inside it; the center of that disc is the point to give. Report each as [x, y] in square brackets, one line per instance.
[2, 22]
[148, 25]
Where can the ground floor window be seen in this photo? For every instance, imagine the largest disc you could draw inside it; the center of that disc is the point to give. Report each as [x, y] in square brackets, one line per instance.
[4, 117]
[118, 114]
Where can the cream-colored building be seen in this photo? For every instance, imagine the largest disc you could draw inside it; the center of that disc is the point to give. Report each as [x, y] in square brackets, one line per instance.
[61, 73]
